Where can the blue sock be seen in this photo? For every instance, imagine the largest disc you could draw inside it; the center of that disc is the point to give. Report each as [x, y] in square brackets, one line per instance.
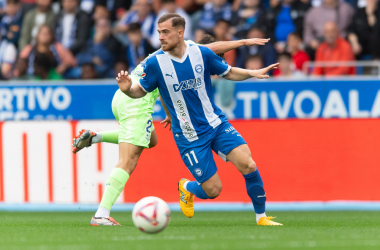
[197, 190]
[255, 190]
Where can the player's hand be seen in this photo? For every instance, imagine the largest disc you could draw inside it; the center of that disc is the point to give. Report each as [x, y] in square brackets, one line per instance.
[255, 41]
[124, 81]
[167, 121]
[261, 73]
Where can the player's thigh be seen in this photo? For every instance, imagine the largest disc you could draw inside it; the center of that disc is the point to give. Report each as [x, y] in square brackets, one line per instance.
[242, 159]
[227, 138]
[129, 155]
[135, 128]
[199, 161]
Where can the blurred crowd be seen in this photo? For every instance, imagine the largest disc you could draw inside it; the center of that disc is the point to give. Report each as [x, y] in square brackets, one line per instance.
[94, 39]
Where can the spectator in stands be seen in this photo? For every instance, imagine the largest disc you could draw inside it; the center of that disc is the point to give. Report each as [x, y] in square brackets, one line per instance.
[3, 4]
[103, 50]
[139, 47]
[20, 70]
[100, 12]
[117, 8]
[333, 49]
[8, 54]
[41, 14]
[10, 26]
[250, 12]
[72, 26]
[213, 11]
[364, 32]
[169, 6]
[221, 33]
[254, 62]
[45, 44]
[287, 68]
[141, 12]
[294, 47]
[43, 65]
[330, 11]
[88, 71]
[267, 52]
[286, 17]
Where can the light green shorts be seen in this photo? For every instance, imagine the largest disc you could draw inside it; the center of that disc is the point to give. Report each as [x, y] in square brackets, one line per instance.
[135, 119]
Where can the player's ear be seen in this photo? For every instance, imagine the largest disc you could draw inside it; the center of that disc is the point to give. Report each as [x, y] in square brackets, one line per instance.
[180, 32]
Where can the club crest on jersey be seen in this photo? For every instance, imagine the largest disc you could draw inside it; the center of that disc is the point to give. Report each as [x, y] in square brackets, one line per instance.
[198, 172]
[198, 68]
[188, 84]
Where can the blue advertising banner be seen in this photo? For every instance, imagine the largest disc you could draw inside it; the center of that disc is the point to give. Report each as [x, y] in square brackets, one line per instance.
[308, 99]
[253, 100]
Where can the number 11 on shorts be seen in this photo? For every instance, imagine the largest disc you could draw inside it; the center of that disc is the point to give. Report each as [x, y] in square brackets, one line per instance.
[195, 157]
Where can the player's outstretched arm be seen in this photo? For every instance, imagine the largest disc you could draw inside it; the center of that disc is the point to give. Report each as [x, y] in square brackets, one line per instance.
[239, 74]
[168, 119]
[223, 47]
[125, 85]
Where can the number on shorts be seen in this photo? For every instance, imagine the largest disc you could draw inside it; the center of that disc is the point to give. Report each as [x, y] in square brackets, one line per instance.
[195, 157]
[149, 126]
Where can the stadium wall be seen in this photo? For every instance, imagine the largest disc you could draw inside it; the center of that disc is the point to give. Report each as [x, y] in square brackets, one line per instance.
[307, 162]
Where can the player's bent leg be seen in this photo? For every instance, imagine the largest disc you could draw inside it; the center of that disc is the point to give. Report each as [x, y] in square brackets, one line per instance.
[86, 138]
[128, 157]
[212, 187]
[241, 158]
[153, 139]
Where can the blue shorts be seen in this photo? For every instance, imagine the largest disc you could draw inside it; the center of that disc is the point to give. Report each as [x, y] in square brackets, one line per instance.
[197, 155]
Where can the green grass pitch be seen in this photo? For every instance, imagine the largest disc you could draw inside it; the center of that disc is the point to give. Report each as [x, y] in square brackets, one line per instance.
[206, 230]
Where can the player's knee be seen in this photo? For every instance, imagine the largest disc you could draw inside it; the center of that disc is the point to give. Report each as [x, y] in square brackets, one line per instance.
[128, 165]
[214, 191]
[248, 167]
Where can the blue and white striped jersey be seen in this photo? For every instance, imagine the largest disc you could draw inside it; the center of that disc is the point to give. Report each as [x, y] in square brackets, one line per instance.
[185, 86]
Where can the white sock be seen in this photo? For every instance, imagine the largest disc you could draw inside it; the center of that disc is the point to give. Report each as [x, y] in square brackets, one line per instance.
[97, 138]
[102, 212]
[258, 216]
[185, 186]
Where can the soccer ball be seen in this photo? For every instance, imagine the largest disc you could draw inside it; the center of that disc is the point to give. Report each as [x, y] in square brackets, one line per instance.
[151, 214]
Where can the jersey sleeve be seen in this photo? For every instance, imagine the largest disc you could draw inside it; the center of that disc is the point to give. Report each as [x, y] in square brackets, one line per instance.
[148, 81]
[217, 65]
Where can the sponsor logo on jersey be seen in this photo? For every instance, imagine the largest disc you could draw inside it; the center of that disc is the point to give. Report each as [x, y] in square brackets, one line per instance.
[198, 172]
[198, 68]
[230, 129]
[143, 75]
[188, 84]
[186, 124]
[169, 75]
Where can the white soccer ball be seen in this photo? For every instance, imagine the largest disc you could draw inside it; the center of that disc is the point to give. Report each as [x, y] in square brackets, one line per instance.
[151, 214]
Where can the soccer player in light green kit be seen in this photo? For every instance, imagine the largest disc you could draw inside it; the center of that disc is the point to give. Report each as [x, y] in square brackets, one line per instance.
[136, 131]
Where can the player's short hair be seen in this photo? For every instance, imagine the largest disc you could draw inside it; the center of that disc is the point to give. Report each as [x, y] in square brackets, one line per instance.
[167, 1]
[177, 20]
[207, 39]
[134, 27]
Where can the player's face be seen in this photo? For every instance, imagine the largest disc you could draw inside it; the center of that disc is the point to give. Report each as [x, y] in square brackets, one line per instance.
[169, 35]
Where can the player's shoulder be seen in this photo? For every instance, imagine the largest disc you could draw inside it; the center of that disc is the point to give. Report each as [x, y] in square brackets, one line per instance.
[151, 59]
[203, 49]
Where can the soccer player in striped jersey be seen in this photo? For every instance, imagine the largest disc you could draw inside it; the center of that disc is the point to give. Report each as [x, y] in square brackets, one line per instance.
[136, 131]
[182, 73]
